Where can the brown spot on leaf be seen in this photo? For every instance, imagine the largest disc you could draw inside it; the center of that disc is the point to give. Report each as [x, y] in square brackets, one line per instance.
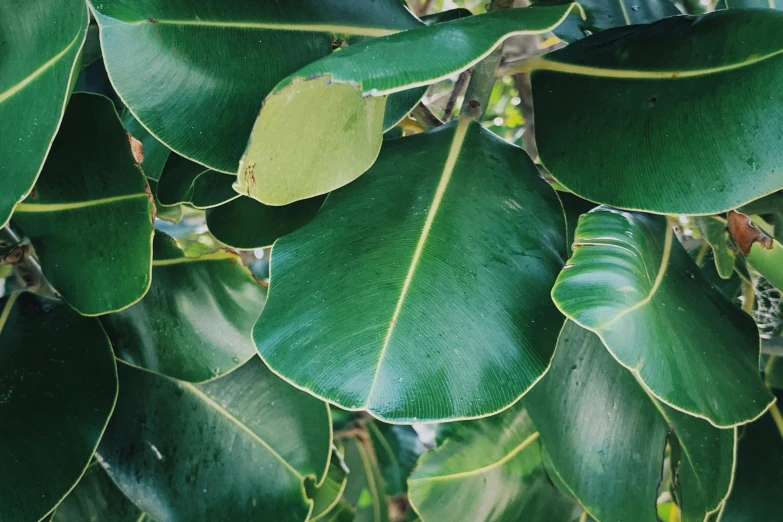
[137, 149]
[250, 176]
[17, 255]
[152, 20]
[148, 190]
[745, 233]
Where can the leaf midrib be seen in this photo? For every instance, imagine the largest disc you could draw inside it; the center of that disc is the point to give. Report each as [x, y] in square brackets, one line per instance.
[225, 413]
[33, 208]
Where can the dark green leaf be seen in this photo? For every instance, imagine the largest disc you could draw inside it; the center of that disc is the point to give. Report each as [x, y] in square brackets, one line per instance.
[41, 41]
[58, 385]
[631, 282]
[488, 470]
[183, 181]
[246, 224]
[605, 437]
[333, 109]
[237, 448]
[195, 322]
[723, 66]
[365, 489]
[327, 495]
[421, 291]
[90, 216]
[97, 499]
[397, 448]
[157, 53]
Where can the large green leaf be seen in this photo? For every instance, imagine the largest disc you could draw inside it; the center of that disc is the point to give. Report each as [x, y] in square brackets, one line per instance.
[605, 437]
[723, 66]
[631, 282]
[157, 53]
[183, 181]
[195, 322]
[606, 14]
[322, 127]
[757, 485]
[97, 499]
[420, 292]
[488, 470]
[245, 224]
[90, 216]
[396, 448]
[58, 385]
[328, 494]
[41, 41]
[237, 448]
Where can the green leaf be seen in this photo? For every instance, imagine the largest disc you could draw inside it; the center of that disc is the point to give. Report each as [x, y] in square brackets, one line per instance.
[194, 324]
[246, 224]
[58, 385]
[90, 216]
[420, 292]
[365, 489]
[606, 14]
[157, 52]
[756, 491]
[724, 66]
[631, 282]
[396, 449]
[96, 499]
[745, 4]
[42, 40]
[155, 153]
[605, 437]
[237, 448]
[183, 181]
[488, 470]
[717, 235]
[333, 109]
[768, 262]
[327, 496]
[172, 214]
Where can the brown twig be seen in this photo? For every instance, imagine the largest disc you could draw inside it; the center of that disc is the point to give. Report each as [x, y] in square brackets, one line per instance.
[456, 92]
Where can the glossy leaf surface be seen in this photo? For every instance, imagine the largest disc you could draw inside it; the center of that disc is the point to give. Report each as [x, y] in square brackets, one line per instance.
[90, 216]
[421, 291]
[245, 224]
[97, 499]
[41, 41]
[723, 66]
[605, 437]
[606, 14]
[157, 53]
[194, 324]
[332, 110]
[183, 181]
[631, 282]
[58, 384]
[756, 491]
[237, 448]
[488, 470]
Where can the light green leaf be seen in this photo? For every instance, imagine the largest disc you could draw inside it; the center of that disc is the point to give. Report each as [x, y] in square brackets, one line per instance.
[183, 181]
[157, 52]
[488, 470]
[195, 322]
[631, 282]
[756, 491]
[605, 437]
[332, 109]
[155, 153]
[41, 42]
[396, 448]
[58, 385]
[246, 224]
[237, 448]
[717, 235]
[768, 262]
[90, 216]
[420, 292]
[724, 66]
[97, 499]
